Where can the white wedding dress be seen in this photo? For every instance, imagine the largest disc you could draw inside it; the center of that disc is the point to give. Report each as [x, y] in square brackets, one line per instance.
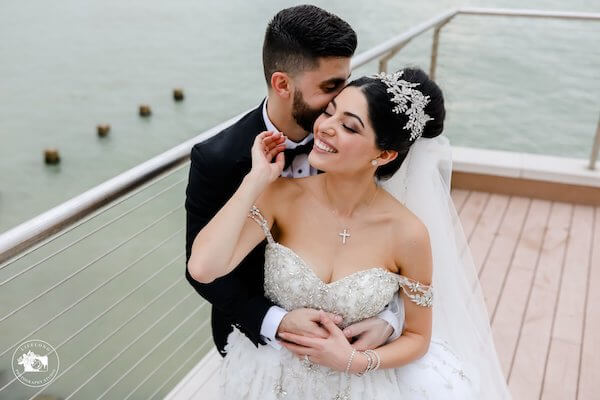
[265, 373]
[461, 362]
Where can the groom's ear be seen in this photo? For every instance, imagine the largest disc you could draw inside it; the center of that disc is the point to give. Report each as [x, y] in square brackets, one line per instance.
[281, 84]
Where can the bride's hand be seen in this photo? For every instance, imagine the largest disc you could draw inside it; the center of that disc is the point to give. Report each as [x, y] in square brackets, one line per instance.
[267, 145]
[332, 352]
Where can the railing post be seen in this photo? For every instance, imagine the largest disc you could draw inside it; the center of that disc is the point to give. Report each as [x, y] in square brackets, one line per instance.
[595, 148]
[383, 61]
[434, 48]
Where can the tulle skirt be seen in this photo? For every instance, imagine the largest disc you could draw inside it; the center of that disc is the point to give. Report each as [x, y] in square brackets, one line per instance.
[265, 373]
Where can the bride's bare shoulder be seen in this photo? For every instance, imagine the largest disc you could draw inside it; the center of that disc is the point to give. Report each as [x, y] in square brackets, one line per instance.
[411, 242]
[284, 187]
[406, 225]
[295, 186]
[280, 191]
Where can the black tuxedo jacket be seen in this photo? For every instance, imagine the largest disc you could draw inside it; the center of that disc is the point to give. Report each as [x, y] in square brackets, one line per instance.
[217, 168]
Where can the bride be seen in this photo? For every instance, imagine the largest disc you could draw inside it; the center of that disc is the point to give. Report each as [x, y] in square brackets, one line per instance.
[379, 221]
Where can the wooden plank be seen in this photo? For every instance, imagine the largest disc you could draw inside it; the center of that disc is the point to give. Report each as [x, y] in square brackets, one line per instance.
[493, 273]
[459, 196]
[510, 311]
[487, 227]
[471, 211]
[562, 367]
[526, 375]
[589, 376]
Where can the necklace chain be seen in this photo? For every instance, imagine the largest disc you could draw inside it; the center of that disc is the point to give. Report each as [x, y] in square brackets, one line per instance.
[345, 234]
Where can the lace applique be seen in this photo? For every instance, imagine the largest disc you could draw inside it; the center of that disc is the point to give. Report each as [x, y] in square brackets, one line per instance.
[417, 292]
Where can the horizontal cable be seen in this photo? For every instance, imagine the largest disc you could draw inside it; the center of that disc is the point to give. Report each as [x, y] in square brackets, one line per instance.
[90, 263]
[157, 297]
[86, 235]
[96, 213]
[135, 341]
[101, 285]
[200, 348]
[122, 376]
[175, 350]
[114, 332]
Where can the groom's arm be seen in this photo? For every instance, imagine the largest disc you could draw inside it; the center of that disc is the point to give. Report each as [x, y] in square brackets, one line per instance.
[238, 295]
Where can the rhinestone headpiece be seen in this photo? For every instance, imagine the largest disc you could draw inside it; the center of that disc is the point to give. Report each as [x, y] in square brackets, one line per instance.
[403, 92]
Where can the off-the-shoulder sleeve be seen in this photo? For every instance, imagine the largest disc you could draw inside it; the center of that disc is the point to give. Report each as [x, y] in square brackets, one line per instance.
[257, 216]
[417, 292]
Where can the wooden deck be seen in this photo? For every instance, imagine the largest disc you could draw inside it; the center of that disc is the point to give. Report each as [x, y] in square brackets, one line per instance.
[539, 263]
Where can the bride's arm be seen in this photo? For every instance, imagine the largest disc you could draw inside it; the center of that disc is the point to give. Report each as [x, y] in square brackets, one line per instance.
[415, 260]
[230, 235]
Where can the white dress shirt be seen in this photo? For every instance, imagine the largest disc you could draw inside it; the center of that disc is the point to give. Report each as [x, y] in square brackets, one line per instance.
[300, 168]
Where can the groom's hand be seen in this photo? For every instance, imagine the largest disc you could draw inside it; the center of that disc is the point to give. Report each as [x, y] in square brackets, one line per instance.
[306, 322]
[369, 333]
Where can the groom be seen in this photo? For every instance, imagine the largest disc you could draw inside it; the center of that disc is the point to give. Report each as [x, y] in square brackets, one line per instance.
[306, 61]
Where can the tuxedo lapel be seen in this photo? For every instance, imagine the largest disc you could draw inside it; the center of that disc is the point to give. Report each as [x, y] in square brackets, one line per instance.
[247, 131]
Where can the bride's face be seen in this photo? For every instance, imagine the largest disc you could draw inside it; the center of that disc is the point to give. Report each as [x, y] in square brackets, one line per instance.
[344, 136]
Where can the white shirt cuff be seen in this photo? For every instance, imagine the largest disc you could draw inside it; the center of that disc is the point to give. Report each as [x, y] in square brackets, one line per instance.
[270, 324]
[389, 317]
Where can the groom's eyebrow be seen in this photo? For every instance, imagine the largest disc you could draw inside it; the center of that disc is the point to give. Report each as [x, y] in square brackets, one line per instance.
[334, 81]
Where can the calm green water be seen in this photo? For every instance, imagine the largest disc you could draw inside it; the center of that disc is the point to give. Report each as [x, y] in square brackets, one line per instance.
[65, 66]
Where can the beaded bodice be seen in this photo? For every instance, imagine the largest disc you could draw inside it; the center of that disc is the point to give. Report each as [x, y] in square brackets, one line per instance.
[291, 283]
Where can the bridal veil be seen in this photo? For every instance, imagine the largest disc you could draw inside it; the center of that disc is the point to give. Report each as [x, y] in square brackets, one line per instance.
[460, 316]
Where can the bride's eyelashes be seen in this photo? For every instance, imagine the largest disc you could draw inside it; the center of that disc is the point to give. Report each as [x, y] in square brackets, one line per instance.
[328, 114]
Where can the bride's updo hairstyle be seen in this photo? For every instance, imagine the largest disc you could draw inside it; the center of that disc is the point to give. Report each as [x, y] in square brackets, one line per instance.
[390, 133]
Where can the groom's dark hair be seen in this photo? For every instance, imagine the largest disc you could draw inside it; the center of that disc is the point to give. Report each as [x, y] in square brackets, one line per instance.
[298, 36]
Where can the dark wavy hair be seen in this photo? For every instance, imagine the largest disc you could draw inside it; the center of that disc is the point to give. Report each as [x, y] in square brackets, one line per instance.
[298, 36]
[389, 126]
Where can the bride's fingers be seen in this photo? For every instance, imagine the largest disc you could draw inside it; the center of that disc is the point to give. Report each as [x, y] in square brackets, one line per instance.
[259, 141]
[273, 139]
[334, 317]
[274, 151]
[299, 350]
[329, 325]
[298, 339]
[362, 344]
[272, 147]
[269, 141]
[280, 160]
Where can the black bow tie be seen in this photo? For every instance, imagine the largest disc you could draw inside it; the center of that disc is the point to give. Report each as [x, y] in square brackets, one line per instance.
[301, 149]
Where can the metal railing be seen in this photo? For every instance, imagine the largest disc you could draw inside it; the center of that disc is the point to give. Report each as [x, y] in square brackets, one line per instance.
[387, 50]
[104, 237]
[41, 227]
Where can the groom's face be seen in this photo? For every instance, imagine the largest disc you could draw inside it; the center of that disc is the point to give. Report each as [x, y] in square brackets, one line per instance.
[315, 88]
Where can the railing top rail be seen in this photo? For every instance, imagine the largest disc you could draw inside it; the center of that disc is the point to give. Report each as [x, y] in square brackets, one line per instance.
[42, 226]
[37, 228]
[381, 49]
[507, 12]
[385, 47]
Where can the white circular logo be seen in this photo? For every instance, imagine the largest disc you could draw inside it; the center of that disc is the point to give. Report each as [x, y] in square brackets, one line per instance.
[35, 363]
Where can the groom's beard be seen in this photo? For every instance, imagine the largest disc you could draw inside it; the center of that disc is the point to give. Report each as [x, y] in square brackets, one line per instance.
[304, 116]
